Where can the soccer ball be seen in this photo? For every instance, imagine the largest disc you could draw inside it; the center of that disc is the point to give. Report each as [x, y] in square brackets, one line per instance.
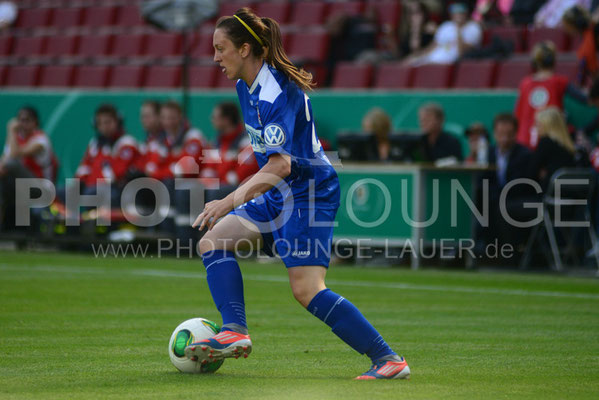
[190, 331]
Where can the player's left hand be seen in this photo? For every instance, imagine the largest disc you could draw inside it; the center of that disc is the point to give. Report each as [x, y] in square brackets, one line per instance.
[212, 212]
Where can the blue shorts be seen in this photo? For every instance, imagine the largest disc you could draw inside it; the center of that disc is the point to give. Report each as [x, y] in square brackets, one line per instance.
[301, 237]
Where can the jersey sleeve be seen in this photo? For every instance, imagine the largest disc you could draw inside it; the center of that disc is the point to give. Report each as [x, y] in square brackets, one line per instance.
[279, 121]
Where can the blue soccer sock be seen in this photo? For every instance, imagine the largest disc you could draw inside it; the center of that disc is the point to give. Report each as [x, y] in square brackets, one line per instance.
[226, 286]
[349, 324]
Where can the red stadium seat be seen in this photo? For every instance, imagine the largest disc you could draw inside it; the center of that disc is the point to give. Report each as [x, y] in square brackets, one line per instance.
[568, 68]
[27, 75]
[309, 46]
[163, 44]
[229, 7]
[163, 77]
[62, 45]
[394, 76]
[514, 34]
[127, 76]
[129, 45]
[89, 76]
[434, 76]
[387, 11]
[94, 45]
[510, 73]
[203, 46]
[308, 13]
[345, 8]
[33, 18]
[96, 17]
[279, 11]
[3, 69]
[5, 45]
[352, 76]
[67, 17]
[129, 16]
[475, 74]
[557, 36]
[28, 46]
[203, 76]
[57, 76]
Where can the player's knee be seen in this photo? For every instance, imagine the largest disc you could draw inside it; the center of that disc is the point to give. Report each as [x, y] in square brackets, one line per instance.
[207, 244]
[303, 292]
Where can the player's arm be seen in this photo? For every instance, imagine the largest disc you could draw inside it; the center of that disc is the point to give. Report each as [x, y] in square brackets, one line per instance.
[275, 170]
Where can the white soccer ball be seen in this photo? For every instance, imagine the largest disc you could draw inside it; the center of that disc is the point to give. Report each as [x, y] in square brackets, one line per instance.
[190, 331]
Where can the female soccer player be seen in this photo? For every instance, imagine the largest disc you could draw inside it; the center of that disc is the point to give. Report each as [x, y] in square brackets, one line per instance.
[288, 206]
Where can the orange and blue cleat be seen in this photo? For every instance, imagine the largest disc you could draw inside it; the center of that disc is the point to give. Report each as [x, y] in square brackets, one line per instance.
[227, 344]
[387, 370]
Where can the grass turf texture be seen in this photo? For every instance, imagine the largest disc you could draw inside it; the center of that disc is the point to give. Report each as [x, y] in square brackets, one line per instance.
[72, 326]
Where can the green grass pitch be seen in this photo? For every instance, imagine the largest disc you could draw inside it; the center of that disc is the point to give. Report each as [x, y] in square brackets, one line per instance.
[72, 326]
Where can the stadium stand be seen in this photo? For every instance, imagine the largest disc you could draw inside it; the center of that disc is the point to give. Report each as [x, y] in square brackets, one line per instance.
[203, 76]
[433, 76]
[307, 13]
[352, 76]
[92, 76]
[163, 76]
[27, 75]
[57, 76]
[127, 76]
[474, 74]
[511, 72]
[394, 76]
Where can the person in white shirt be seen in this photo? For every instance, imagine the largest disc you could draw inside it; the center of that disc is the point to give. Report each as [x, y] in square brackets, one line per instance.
[452, 39]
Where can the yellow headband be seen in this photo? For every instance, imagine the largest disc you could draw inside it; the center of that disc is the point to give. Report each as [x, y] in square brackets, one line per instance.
[250, 30]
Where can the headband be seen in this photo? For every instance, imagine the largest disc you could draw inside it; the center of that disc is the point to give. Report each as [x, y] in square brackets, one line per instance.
[250, 30]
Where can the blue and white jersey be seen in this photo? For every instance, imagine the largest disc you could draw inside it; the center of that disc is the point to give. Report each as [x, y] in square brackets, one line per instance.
[278, 119]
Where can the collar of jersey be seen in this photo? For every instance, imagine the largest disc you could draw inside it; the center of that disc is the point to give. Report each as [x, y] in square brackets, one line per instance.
[259, 77]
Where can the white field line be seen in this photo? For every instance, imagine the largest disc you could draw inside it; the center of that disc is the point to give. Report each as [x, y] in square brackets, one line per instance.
[269, 278]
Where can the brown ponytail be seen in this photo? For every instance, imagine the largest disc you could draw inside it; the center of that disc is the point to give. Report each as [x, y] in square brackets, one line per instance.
[267, 29]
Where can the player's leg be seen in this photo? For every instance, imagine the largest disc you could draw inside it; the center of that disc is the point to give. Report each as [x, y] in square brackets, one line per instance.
[226, 286]
[346, 321]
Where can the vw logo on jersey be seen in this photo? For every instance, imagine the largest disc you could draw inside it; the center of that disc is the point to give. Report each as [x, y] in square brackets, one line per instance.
[274, 135]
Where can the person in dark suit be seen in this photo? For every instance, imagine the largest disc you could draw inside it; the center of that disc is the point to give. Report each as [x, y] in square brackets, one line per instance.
[510, 161]
[436, 144]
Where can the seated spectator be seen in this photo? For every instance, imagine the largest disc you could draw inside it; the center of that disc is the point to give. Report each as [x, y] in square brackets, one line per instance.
[555, 149]
[27, 154]
[175, 153]
[511, 161]
[577, 23]
[109, 156]
[417, 31]
[551, 13]
[376, 122]
[478, 142]
[232, 160]
[542, 89]
[436, 144]
[452, 39]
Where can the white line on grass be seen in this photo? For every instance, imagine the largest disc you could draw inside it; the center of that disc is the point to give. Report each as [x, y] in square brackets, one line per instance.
[280, 279]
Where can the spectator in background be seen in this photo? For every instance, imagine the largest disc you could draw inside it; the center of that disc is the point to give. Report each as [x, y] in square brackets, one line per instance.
[175, 153]
[542, 89]
[8, 14]
[417, 30]
[436, 144]
[555, 149]
[577, 23]
[550, 14]
[149, 117]
[110, 154]
[232, 159]
[511, 161]
[376, 122]
[452, 39]
[478, 142]
[27, 154]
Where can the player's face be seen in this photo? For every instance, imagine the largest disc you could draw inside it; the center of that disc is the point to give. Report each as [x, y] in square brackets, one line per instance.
[170, 120]
[106, 125]
[26, 122]
[150, 120]
[227, 55]
[505, 135]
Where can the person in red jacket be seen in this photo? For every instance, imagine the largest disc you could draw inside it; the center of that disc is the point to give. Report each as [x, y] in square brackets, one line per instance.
[540, 90]
[232, 160]
[27, 153]
[109, 156]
